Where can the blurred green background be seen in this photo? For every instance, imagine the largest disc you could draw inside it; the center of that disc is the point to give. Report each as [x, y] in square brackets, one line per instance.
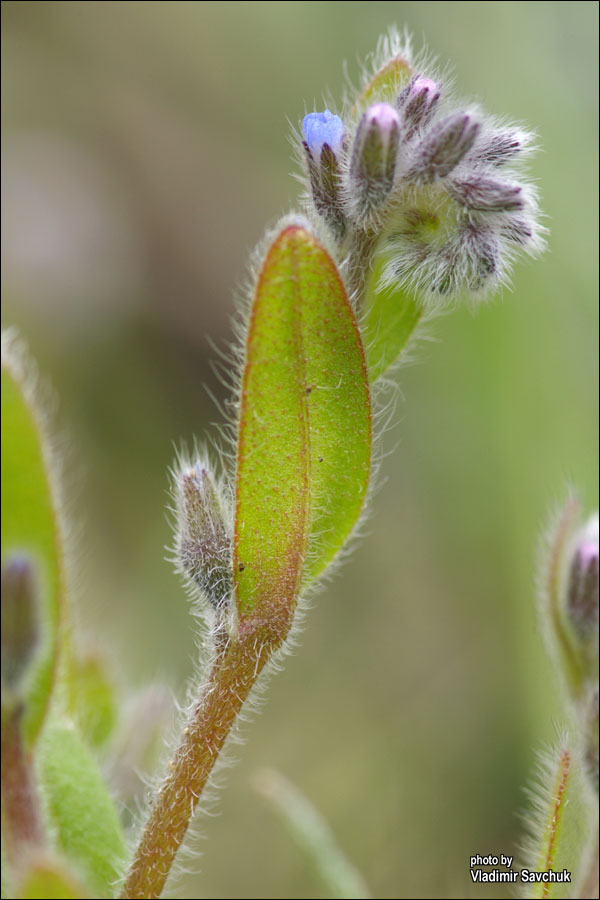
[145, 147]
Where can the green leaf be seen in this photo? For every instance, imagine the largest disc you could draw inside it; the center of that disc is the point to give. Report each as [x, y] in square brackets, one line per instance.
[304, 448]
[390, 318]
[312, 835]
[385, 85]
[30, 521]
[560, 826]
[80, 807]
[92, 697]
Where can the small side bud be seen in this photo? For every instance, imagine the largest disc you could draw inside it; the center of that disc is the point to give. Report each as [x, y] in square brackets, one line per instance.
[323, 143]
[20, 620]
[482, 256]
[443, 147]
[591, 739]
[373, 163]
[484, 193]
[582, 589]
[518, 231]
[204, 546]
[499, 147]
[417, 104]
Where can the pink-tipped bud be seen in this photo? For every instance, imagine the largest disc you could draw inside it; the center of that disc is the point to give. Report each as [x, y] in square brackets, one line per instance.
[417, 103]
[582, 592]
[373, 163]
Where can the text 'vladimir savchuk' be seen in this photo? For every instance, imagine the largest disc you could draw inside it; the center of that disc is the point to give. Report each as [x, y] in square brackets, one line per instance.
[525, 876]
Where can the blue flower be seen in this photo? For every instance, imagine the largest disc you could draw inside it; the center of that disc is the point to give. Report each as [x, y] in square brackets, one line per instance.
[321, 128]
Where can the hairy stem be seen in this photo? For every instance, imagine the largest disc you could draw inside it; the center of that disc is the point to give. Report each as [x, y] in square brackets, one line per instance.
[359, 261]
[22, 824]
[230, 681]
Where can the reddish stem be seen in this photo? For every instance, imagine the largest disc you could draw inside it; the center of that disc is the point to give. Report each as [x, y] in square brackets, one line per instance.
[22, 827]
[232, 678]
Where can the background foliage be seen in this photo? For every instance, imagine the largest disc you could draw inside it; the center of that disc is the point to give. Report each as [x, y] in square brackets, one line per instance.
[145, 145]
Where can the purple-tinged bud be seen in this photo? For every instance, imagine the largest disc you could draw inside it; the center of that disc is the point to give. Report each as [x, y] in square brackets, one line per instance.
[498, 147]
[320, 128]
[591, 739]
[373, 163]
[323, 143]
[20, 631]
[517, 231]
[443, 147]
[582, 590]
[204, 544]
[482, 256]
[417, 103]
[484, 193]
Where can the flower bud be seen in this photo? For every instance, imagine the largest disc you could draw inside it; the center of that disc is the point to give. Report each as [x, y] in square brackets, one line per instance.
[204, 546]
[443, 147]
[373, 163]
[499, 147]
[322, 129]
[323, 142]
[20, 620]
[485, 193]
[582, 590]
[417, 104]
[591, 738]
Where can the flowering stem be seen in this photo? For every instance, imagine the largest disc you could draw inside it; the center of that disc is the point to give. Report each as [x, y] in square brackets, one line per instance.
[233, 675]
[22, 827]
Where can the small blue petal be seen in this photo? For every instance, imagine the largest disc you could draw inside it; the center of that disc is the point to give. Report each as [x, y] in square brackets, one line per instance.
[323, 128]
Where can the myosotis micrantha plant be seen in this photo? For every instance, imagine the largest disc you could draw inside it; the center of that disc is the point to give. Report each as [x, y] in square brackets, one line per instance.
[412, 200]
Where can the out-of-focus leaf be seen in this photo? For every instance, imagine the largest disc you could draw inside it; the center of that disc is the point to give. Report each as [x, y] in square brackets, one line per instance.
[391, 315]
[48, 880]
[80, 807]
[92, 697]
[313, 835]
[30, 522]
[304, 446]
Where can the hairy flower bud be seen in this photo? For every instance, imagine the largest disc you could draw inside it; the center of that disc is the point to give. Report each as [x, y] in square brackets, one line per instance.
[496, 148]
[485, 193]
[373, 162]
[417, 104]
[323, 143]
[20, 620]
[204, 545]
[443, 147]
[582, 589]
[591, 739]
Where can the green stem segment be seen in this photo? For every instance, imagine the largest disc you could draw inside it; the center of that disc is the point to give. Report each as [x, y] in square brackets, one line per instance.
[230, 682]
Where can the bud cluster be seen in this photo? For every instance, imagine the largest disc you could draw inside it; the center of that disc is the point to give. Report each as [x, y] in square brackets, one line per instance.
[437, 187]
